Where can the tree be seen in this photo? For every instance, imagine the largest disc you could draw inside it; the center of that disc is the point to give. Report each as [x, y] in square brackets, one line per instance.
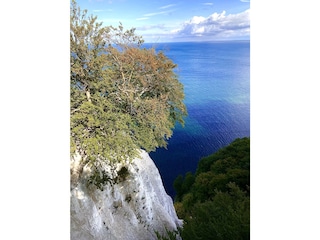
[177, 184]
[183, 184]
[225, 216]
[215, 202]
[123, 97]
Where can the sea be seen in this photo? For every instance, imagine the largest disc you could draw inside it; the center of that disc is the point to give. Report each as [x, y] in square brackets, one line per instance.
[216, 79]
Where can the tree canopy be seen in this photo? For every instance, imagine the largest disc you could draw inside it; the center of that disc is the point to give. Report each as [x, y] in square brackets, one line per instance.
[215, 202]
[123, 97]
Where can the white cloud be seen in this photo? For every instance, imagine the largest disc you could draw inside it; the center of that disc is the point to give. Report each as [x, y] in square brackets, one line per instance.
[208, 4]
[217, 25]
[156, 13]
[244, 0]
[196, 20]
[167, 6]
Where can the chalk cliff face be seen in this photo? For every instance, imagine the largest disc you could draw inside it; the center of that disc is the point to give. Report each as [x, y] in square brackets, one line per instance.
[130, 209]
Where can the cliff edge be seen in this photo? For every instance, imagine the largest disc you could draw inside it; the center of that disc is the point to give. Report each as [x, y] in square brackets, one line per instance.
[132, 208]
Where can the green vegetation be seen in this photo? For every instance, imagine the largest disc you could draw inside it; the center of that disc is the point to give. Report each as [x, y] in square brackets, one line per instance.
[215, 202]
[123, 97]
[169, 235]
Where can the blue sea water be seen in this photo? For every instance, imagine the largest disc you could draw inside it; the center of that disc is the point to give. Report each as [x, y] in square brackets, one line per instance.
[216, 79]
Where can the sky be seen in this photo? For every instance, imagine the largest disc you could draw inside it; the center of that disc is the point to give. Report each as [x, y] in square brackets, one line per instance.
[176, 20]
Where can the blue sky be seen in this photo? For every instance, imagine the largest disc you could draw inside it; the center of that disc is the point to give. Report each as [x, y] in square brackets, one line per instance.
[176, 20]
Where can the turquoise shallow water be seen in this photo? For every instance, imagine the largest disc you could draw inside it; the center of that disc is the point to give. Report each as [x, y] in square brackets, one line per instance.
[216, 78]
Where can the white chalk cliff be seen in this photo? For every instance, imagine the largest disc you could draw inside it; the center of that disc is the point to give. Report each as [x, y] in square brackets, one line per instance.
[133, 209]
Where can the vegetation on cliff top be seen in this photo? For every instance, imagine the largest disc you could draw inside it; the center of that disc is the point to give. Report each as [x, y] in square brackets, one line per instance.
[123, 97]
[215, 201]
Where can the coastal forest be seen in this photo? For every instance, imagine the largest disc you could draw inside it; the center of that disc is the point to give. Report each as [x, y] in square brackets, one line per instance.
[215, 201]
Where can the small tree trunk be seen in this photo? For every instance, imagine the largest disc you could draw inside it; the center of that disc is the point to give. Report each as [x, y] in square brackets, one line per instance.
[88, 96]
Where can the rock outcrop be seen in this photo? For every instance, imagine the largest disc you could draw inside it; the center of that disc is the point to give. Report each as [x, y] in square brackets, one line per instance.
[135, 207]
